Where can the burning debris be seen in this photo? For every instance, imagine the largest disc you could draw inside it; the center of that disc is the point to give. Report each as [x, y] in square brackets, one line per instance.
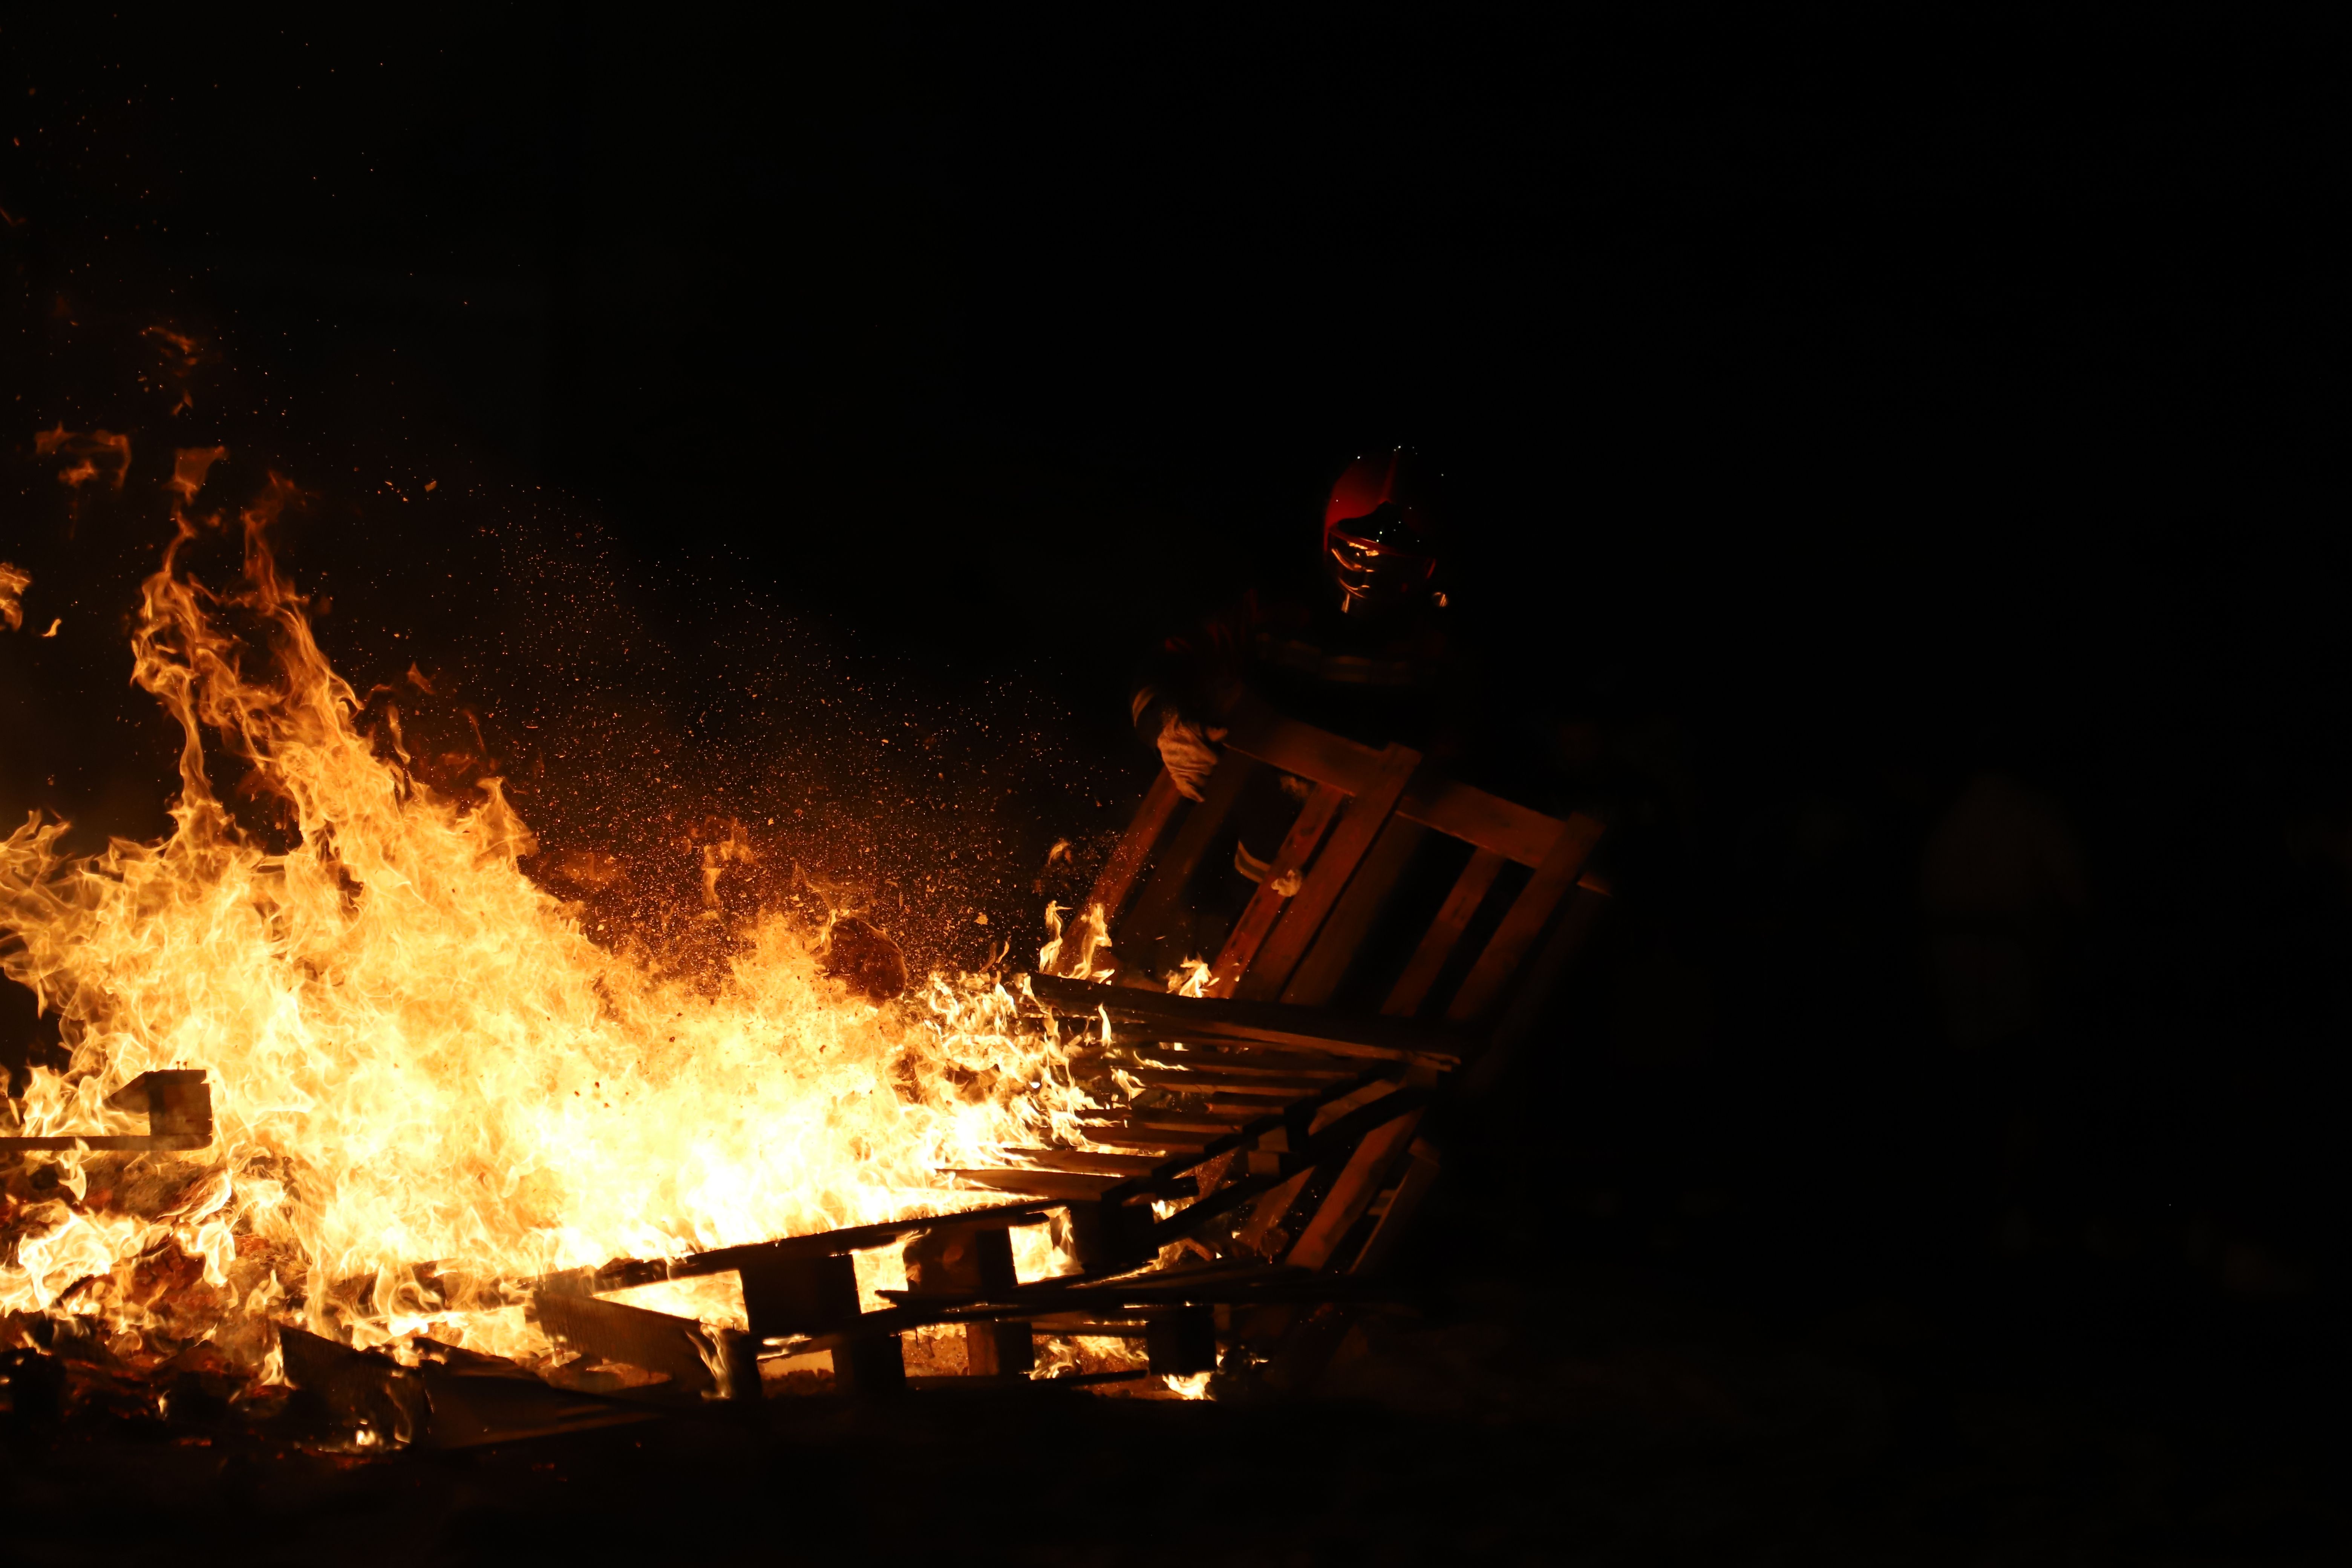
[353, 1105]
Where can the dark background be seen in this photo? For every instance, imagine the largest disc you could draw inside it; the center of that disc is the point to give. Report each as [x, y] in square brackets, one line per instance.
[1833, 414]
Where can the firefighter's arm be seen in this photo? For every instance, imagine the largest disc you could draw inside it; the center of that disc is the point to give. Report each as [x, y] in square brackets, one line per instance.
[1186, 744]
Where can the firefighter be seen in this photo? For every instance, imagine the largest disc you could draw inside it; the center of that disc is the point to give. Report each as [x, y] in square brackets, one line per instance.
[1354, 640]
[1360, 646]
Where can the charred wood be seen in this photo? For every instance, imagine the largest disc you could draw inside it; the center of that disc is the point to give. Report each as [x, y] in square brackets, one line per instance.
[695, 1362]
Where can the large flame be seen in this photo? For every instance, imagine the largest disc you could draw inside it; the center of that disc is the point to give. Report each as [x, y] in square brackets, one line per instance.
[418, 1057]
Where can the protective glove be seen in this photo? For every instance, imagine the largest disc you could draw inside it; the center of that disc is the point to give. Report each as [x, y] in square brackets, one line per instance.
[1187, 747]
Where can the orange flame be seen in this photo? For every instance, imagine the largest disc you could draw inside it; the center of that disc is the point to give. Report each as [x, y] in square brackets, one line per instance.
[189, 467]
[14, 581]
[428, 1080]
[90, 451]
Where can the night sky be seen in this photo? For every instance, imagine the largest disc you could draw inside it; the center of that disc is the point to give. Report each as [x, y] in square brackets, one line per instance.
[1833, 417]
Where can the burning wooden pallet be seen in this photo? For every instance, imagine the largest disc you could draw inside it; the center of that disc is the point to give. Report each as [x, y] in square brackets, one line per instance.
[1233, 1217]
[1286, 1143]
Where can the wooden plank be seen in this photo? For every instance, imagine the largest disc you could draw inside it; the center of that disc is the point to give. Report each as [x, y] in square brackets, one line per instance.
[1444, 933]
[1367, 814]
[1064, 1324]
[1524, 920]
[1158, 1015]
[1120, 873]
[623, 1272]
[1085, 1159]
[1316, 756]
[1209, 1080]
[1156, 906]
[1366, 1172]
[1220, 1036]
[366, 1387]
[1098, 1299]
[1488, 821]
[1340, 1154]
[1267, 904]
[1062, 1184]
[1333, 1110]
[1175, 1123]
[1270, 1208]
[1326, 964]
[1458, 810]
[856, 1238]
[1166, 1142]
[679, 1349]
[437, 1406]
[1259, 1062]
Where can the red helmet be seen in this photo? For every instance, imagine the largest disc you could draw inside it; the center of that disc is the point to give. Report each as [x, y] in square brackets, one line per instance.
[1379, 538]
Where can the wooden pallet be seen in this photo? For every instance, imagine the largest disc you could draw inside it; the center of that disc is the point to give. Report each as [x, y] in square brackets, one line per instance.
[1261, 1035]
[1291, 1138]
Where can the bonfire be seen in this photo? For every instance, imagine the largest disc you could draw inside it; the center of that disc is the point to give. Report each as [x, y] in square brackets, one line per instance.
[430, 1085]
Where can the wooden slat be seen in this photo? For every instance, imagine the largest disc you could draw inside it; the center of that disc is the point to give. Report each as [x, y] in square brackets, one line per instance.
[1316, 756]
[1458, 810]
[1126, 861]
[1524, 920]
[1193, 1121]
[1157, 1016]
[1159, 1121]
[1244, 1060]
[1366, 1171]
[1343, 852]
[1488, 821]
[623, 1272]
[438, 1407]
[1087, 1160]
[1156, 906]
[1144, 1033]
[1090, 1324]
[1209, 1080]
[1334, 1109]
[676, 1348]
[1063, 1184]
[1166, 1142]
[1313, 982]
[1270, 1207]
[1266, 905]
[1445, 932]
